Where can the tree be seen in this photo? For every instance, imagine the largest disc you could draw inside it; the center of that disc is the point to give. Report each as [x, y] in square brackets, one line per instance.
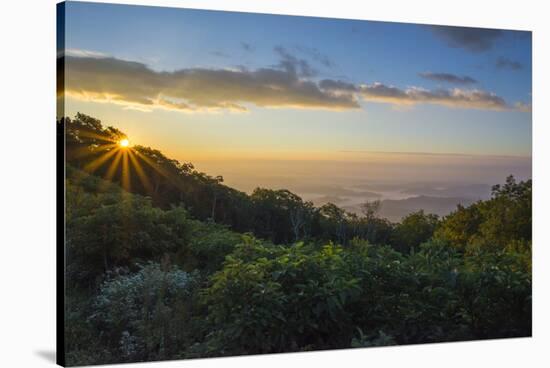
[413, 230]
[370, 211]
[503, 220]
[214, 185]
[335, 221]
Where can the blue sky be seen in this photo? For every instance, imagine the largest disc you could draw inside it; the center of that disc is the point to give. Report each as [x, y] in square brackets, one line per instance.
[430, 113]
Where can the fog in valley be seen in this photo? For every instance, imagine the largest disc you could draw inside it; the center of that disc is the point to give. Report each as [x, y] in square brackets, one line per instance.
[404, 182]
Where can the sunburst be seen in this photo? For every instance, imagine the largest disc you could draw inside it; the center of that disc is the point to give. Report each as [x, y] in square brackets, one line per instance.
[121, 156]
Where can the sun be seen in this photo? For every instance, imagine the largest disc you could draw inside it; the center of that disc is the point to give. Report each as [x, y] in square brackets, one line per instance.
[124, 143]
[123, 160]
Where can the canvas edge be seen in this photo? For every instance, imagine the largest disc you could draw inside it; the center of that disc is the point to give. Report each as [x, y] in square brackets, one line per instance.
[60, 186]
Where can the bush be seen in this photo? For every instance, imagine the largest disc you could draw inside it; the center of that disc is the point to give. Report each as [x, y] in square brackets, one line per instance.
[145, 314]
[275, 299]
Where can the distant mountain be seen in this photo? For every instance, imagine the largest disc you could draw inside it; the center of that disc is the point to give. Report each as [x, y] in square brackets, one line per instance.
[329, 199]
[482, 191]
[395, 209]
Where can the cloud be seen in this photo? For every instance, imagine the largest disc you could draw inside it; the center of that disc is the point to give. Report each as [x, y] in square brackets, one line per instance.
[523, 107]
[133, 84]
[317, 56]
[293, 64]
[286, 85]
[337, 86]
[448, 78]
[220, 54]
[248, 47]
[471, 39]
[82, 53]
[505, 63]
[455, 98]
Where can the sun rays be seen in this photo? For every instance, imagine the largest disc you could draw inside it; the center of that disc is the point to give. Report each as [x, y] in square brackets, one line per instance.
[117, 158]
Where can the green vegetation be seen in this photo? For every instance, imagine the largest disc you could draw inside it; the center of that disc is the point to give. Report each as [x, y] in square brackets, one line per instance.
[178, 265]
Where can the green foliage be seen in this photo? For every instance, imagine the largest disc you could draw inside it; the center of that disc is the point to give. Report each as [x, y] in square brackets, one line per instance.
[208, 245]
[186, 267]
[502, 221]
[281, 215]
[496, 294]
[108, 228]
[364, 341]
[115, 229]
[295, 297]
[304, 297]
[414, 229]
[145, 313]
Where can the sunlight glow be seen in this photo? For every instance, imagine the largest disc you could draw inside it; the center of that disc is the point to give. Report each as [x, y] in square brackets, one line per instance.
[124, 143]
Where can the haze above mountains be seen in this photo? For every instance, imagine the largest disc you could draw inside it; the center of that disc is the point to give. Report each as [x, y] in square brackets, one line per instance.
[404, 183]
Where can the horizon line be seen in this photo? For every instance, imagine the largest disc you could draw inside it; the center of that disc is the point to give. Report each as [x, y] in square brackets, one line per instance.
[419, 153]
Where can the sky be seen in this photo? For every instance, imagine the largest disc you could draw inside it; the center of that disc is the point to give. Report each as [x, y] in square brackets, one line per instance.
[207, 86]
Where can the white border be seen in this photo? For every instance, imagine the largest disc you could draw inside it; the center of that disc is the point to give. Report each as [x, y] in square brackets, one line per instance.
[27, 181]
